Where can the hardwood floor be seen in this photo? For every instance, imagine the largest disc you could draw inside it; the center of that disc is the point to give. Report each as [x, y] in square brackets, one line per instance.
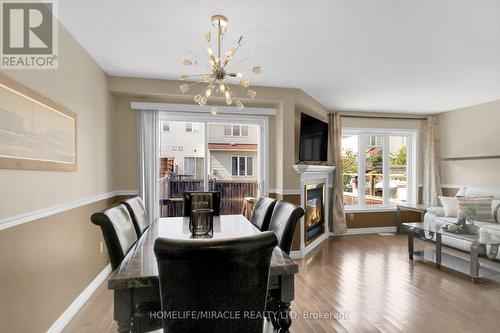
[369, 279]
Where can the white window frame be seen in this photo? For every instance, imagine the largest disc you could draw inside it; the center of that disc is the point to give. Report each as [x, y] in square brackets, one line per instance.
[233, 126]
[195, 128]
[246, 157]
[262, 168]
[196, 158]
[412, 165]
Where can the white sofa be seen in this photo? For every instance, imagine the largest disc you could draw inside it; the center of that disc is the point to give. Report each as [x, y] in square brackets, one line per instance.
[435, 215]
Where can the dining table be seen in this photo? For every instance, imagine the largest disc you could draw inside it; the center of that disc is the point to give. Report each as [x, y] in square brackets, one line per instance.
[136, 280]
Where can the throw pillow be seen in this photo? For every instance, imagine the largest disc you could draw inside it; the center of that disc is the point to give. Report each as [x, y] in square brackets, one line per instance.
[475, 208]
[450, 205]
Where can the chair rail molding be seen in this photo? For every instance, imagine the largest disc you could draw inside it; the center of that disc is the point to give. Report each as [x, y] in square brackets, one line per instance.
[10, 222]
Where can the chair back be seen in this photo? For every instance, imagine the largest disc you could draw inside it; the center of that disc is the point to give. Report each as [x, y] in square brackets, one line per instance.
[137, 211]
[222, 275]
[285, 217]
[118, 232]
[262, 211]
[187, 201]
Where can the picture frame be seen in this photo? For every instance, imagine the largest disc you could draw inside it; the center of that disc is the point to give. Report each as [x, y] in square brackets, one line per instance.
[36, 133]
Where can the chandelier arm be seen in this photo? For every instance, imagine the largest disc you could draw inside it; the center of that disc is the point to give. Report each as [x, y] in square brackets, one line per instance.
[229, 65]
[201, 61]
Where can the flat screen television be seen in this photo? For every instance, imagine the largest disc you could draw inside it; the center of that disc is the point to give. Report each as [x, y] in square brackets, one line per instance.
[313, 139]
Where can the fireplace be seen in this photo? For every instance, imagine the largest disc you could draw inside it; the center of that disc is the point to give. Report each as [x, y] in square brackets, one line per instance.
[314, 219]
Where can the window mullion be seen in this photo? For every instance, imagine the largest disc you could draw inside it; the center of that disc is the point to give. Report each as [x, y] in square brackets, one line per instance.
[362, 170]
[386, 167]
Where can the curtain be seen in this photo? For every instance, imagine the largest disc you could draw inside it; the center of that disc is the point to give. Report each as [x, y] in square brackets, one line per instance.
[148, 160]
[431, 162]
[337, 214]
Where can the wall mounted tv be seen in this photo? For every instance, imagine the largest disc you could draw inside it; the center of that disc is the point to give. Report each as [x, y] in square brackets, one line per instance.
[313, 139]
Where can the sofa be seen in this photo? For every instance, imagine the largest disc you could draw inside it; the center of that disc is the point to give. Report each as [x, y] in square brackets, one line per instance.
[435, 216]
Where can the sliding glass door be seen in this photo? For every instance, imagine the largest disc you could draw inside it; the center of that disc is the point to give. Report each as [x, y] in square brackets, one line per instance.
[215, 153]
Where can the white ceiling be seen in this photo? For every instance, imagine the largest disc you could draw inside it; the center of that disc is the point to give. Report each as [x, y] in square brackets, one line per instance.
[402, 56]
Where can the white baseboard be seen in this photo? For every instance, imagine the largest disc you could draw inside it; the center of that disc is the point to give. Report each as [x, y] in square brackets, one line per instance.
[41, 213]
[365, 231]
[71, 311]
[296, 254]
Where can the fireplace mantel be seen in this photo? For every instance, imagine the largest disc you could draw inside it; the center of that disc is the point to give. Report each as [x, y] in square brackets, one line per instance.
[305, 168]
[314, 175]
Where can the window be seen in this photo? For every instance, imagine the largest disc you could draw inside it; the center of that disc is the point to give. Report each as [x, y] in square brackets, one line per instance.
[165, 126]
[384, 174]
[192, 127]
[242, 166]
[236, 130]
[373, 140]
[193, 166]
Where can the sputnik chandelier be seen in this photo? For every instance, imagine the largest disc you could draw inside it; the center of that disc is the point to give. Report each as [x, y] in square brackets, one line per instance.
[221, 72]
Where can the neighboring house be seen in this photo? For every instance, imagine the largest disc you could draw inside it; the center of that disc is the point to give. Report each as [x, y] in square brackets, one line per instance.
[232, 150]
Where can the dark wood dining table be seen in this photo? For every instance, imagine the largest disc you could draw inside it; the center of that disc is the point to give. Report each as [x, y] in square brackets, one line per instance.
[135, 281]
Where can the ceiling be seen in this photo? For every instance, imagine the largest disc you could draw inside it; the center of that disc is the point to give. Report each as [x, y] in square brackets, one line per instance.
[401, 56]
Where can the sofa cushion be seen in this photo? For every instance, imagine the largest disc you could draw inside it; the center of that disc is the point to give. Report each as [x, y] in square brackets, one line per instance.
[475, 208]
[480, 190]
[496, 210]
[450, 205]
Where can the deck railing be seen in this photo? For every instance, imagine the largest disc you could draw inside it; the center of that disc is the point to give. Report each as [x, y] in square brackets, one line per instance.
[232, 194]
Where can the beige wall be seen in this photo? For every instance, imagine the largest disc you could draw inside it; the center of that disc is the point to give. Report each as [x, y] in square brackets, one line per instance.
[47, 263]
[471, 131]
[80, 85]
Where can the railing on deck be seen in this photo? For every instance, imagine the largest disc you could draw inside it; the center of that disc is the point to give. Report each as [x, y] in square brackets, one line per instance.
[232, 194]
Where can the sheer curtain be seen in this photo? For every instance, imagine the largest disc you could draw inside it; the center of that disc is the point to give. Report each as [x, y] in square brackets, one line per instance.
[337, 214]
[148, 160]
[431, 162]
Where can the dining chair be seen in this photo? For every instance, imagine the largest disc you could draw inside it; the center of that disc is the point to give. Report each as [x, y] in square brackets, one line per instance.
[137, 211]
[283, 220]
[118, 232]
[187, 201]
[262, 211]
[221, 275]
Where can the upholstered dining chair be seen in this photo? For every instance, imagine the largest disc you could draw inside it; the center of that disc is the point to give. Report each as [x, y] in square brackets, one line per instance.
[137, 211]
[118, 232]
[120, 235]
[187, 201]
[221, 275]
[283, 220]
[262, 211]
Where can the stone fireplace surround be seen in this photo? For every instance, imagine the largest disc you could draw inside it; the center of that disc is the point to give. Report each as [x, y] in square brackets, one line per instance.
[313, 175]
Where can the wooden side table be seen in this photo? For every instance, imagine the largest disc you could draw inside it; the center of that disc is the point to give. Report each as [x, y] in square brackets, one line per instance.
[411, 208]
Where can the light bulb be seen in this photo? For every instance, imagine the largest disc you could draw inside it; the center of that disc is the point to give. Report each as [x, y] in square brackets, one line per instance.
[245, 83]
[239, 75]
[203, 101]
[214, 110]
[212, 62]
[197, 98]
[184, 88]
[186, 62]
[210, 51]
[228, 94]
[229, 101]
[257, 70]
[207, 35]
[251, 93]
[239, 104]
[208, 92]
[222, 88]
